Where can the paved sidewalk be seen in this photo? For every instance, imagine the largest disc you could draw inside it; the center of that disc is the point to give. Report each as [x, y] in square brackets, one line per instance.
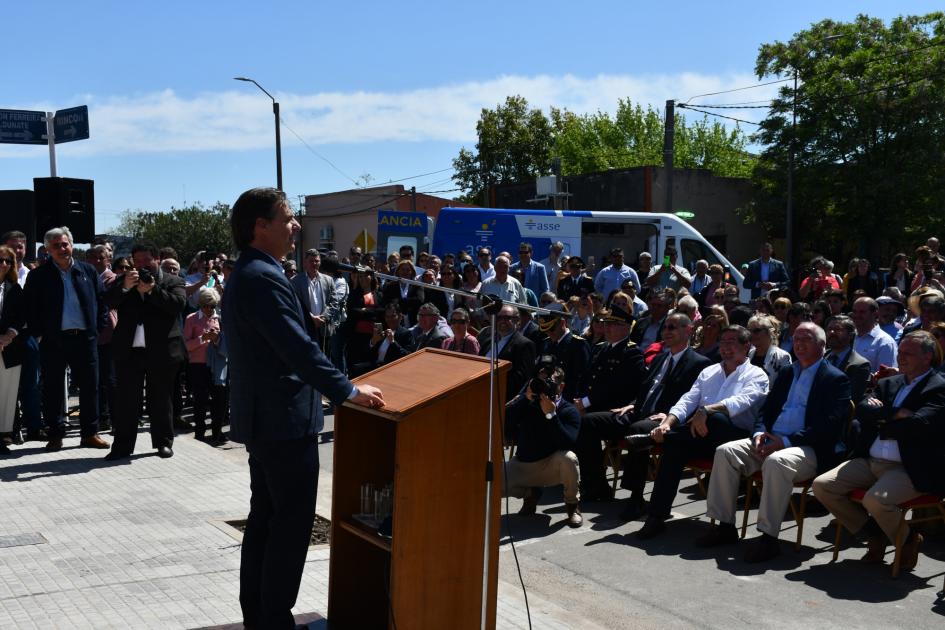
[86, 543]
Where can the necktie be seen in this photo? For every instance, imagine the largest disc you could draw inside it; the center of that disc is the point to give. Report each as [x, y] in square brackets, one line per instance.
[657, 391]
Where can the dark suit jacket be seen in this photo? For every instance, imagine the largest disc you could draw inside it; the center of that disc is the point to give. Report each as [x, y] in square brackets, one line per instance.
[13, 315]
[573, 354]
[521, 352]
[636, 335]
[857, 369]
[676, 384]
[921, 436]
[568, 286]
[401, 346]
[275, 367]
[331, 308]
[828, 408]
[777, 273]
[409, 305]
[44, 300]
[615, 375]
[159, 311]
[433, 339]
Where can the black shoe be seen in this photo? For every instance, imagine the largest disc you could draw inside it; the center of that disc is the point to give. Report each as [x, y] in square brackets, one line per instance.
[639, 442]
[218, 440]
[200, 436]
[114, 456]
[36, 435]
[17, 438]
[721, 534]
[653, 527]
[4, 449]
[165, 452]
[634, 510]
[762, 549]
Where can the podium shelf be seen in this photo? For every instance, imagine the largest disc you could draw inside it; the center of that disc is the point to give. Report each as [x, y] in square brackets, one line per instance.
[362, 532]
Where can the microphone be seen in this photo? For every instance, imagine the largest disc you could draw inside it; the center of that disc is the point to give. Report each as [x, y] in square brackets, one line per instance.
[331, 265]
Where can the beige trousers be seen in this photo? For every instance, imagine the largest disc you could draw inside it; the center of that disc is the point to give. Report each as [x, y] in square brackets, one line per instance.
[779, 471]
[888, 483]
[561, 467]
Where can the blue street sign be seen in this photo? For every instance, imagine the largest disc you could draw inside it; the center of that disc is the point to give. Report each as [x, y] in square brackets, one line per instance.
[72, 124]
[19, 126]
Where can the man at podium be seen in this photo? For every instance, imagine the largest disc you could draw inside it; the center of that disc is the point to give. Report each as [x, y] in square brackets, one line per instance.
[545, 427]
[278, 375]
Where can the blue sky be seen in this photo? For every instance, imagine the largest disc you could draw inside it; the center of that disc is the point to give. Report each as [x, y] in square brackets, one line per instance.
[388, 90]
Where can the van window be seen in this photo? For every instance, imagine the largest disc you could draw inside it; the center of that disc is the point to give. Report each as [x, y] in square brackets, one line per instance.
[693, 250]
[599, 237]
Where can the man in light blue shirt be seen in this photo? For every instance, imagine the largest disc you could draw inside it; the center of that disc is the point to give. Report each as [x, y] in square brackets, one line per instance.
[871, 342]
[796, 437]
[534, 274]
[611, 277]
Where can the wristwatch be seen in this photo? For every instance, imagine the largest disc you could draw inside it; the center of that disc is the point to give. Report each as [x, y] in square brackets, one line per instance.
[549, 415]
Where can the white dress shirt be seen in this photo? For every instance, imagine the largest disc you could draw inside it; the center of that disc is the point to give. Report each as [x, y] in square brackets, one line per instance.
[889, 449]
[742, 393]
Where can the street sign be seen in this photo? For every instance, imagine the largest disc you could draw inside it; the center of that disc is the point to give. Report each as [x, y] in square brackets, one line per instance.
[19, 126]
[72, 124]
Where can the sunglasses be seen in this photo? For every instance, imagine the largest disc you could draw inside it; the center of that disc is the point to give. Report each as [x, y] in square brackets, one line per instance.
[484, 254]
[7, 261]
[122, 267]
[458, 321]
[757, 330]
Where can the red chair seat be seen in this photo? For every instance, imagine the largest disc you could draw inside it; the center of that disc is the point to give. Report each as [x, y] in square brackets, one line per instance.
[923, 500]
[700, 463]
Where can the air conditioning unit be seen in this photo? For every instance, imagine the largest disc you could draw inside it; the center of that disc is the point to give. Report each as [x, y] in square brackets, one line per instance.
[546, 185]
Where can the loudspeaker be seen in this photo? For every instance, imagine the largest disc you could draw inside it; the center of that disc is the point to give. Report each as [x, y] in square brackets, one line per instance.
[62, 201]
[17, 213]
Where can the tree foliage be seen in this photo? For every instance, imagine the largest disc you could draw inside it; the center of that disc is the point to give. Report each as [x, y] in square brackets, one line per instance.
[188, 230]
[518, 143]
[870, 134]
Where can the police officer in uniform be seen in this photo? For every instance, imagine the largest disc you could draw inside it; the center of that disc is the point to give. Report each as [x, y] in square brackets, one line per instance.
[613, 381]
[569, 351]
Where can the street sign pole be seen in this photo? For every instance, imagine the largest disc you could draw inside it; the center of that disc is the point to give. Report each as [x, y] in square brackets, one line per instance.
[51, 139]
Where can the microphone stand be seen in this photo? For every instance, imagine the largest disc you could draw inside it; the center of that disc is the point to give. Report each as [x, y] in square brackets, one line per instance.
[491, 305]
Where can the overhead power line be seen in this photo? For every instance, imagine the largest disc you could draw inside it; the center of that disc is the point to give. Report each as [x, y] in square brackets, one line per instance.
[747, 87]
[319, 155]
[701, 111]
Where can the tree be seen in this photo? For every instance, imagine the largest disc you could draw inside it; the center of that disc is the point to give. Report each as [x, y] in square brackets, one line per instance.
[869, 136]
[514, 145]
[517, 143]
[634, 137]
[188, 230]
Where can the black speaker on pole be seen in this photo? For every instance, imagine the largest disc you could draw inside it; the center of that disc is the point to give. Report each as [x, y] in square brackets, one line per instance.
[63, 201]
[17, 213]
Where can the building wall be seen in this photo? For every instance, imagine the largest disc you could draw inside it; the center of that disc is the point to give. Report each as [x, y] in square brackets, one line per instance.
[351, 212]
[712, 199]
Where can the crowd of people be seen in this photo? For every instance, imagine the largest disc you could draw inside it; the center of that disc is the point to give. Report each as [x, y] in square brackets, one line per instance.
[660, 356]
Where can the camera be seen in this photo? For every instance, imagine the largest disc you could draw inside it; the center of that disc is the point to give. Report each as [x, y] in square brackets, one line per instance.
[145, 275]
[539, 386]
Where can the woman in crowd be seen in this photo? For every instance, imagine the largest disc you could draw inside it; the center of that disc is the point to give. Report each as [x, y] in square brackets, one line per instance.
[709, 333]
[462, 340]
[899, 275]
[707, 297]
[818, 281]
[622, 301]
[410, 296]
[446, 302]
[820, 312]
[12, 319]
[201, 329]
[863, 279]
[364, 309]
[121, 264]
[688, 305]
[765, 352]
[581, 314]
[780, 308]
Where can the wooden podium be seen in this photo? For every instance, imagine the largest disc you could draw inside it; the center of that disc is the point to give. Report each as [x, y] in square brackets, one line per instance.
[430, 440]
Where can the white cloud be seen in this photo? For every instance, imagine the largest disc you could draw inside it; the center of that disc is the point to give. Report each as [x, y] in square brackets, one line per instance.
[242, 119]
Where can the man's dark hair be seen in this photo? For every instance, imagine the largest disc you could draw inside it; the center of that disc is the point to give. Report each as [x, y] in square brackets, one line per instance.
[741, 333]
[256, 203]
[167, 252]
[933, 302]
[740, 315]
[11, 235]
[800, 309]
[144, 247]
[847, 324]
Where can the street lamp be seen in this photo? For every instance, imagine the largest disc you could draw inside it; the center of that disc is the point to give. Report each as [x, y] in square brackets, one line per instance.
[275, 110]
[789, 235]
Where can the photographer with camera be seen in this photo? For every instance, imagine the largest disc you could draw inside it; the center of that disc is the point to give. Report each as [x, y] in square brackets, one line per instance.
[148, 343]
[544, 427]
[819, 280]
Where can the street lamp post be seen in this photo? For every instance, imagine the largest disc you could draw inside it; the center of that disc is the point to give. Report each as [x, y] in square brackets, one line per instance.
[275, 111]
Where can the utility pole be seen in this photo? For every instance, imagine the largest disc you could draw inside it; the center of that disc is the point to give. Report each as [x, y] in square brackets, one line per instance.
[556, 171]
[669, 134]
[789, 231]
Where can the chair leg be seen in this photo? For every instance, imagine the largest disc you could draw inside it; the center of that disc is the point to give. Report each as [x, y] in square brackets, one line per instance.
[836, 541]
[699, 480]
[799, 517]
[900, 540]
[616, 462]
[748, 494]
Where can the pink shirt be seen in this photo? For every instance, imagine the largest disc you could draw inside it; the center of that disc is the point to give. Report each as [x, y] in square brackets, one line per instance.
[196, 325]
[469, 345]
